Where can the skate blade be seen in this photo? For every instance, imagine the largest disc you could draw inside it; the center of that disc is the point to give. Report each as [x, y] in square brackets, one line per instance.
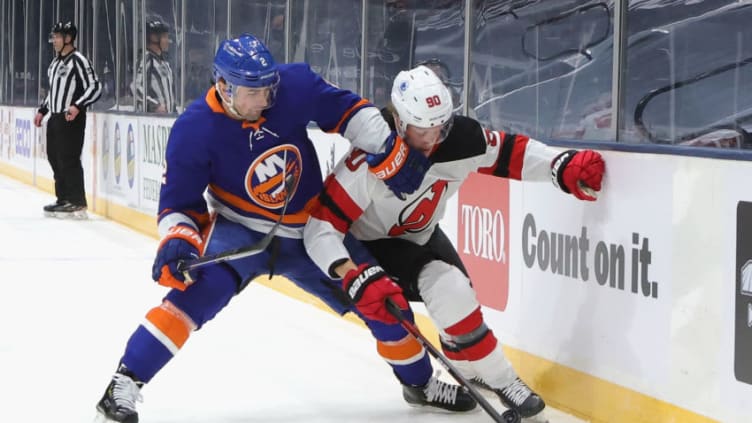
[538, 418]
[76, 215]
[100, 418]
[49, 214]
[439, 410]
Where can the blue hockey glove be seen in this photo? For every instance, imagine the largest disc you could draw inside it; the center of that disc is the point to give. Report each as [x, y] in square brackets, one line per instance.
[401, 167]
[182, 242]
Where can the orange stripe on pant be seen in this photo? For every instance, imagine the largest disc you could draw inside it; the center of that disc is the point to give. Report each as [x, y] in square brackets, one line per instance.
[175, 325]
[405, 351]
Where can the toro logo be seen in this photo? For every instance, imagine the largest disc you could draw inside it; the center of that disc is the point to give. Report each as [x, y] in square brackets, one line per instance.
[265, 179]
[483, 218]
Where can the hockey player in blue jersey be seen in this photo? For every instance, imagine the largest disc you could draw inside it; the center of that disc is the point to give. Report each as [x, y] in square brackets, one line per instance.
[230, 153]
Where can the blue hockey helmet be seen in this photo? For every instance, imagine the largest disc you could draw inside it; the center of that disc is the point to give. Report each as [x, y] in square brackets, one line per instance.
[246, 66]
[245, 61]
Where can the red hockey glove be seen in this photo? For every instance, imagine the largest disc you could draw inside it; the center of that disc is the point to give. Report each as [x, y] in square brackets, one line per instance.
[368, 287]
[401, 167]
[182, 242]
[579, 173]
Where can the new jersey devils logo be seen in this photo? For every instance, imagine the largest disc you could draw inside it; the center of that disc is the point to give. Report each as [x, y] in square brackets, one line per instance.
[419, 214]
[265, 179]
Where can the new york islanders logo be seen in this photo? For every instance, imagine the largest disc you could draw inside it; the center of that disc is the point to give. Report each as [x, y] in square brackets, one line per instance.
[265, 179]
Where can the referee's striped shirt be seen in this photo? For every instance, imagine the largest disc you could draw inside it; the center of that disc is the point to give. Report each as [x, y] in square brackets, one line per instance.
[156, 75]
[72, 81]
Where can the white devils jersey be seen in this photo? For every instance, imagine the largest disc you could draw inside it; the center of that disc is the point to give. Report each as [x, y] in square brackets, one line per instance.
[354, 199]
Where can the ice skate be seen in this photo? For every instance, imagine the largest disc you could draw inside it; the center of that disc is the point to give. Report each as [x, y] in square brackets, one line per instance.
[69, 210]
[439, 394]
[118, 404]
[49, 209]
[516, 396]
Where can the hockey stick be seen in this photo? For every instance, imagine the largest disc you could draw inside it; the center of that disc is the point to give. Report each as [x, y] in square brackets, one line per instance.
[251, 250]
[395, 311]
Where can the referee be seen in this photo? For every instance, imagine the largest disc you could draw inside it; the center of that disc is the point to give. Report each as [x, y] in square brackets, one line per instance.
[154, 72]
[73, 87]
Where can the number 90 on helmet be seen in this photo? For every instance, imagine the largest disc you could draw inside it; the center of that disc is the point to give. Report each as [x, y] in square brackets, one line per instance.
[422, 100]
[246, 62]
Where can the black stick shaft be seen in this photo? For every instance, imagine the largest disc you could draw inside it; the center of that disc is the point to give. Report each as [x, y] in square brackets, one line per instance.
[395, 311]
[186, 265]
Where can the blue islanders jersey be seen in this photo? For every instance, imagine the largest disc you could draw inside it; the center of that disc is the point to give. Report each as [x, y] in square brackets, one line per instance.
[242, 165]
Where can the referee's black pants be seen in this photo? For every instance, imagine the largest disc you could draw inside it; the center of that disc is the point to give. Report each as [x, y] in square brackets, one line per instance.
[65, 142]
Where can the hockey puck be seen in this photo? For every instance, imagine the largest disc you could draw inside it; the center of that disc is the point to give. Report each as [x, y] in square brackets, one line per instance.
[511, 416]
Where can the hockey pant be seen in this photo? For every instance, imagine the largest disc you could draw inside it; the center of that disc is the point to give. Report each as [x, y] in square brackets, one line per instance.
[433, 273]
[167, 327]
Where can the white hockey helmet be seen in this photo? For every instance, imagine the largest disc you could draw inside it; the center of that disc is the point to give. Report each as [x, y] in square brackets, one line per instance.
[421, 99]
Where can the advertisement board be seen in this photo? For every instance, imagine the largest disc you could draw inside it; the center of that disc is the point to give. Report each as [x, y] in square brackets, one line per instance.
[483, 244]
[733, 287]
[7, 147]
[151, 160]
[743, 294]
[23, 133]
[584, 284]
[117, 159]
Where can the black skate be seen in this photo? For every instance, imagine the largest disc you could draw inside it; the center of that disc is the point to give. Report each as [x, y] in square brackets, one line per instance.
[68, 210]
[439, 394]
[118, 404]
[516, 396]
[49, 209]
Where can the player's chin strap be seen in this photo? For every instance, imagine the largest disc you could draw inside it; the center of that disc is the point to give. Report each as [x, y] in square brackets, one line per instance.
[228, 101]
[507, 417]
[251, 250]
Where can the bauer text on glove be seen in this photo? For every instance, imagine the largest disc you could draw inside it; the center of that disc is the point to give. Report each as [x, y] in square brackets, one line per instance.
[182, 242]
[368, 287]
[401, 167]
[579, 173]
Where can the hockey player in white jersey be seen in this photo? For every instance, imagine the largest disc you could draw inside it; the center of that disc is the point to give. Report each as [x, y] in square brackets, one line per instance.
[416, 260]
